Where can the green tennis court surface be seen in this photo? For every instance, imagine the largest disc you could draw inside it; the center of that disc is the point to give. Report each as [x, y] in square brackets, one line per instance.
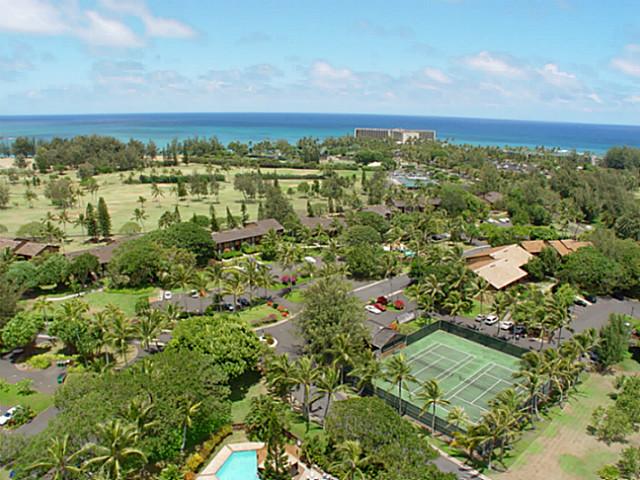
[469, 373]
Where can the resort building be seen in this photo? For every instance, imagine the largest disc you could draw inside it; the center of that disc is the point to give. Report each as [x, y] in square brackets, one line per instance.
[398, 135]
[328, 224]
[104, 253]
[27, 249]
[500, 266]
[250, 234]
[563, 247]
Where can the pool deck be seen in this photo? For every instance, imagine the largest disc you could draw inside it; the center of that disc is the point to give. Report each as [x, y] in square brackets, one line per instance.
[210, 471]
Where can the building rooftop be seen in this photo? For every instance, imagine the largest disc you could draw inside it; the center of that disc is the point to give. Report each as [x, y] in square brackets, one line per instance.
[251, 230]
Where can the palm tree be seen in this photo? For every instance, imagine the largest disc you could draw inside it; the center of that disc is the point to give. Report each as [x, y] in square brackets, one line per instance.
[235, 286]
[266, 279]
[80, 221]
[289, 254]
[432, 395]
[341, 351]
[200, 282]
[58, 462]
[533, 378]
[398, 372]
[468, 441]
[172, 314]
[121, 331]
[139, 413]
[482, 286]
[367, 371]
[156, 192]
[139, 215]
[350, 462]
[251, 276]
[41, 306]
[498, 428]
[279, 375]
[149, 326]
[115, 449]
[181, 276]
[216, 273]
[188, 411]
[457, 417]
[330, 384]
[390, 267]
[501, 303]
[305, 374]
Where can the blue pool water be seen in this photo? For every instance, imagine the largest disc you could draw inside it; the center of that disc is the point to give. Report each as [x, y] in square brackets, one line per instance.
[240, 466]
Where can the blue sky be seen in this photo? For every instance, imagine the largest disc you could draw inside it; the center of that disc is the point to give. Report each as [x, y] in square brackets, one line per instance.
[569, 60]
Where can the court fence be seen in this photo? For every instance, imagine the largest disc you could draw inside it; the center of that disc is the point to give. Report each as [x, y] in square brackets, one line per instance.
[499, 344]
[441, 425]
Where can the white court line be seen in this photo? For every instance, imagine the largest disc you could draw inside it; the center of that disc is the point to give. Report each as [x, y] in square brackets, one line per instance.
[422, 353]
[452, 368]
[431, 365]
[486, 391]
[458, 399]
[469, 381]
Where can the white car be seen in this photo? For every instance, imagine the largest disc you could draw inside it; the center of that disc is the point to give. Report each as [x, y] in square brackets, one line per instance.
[8, 415]
[506, 325]
[372, 309]
[491, 320]
[167, 295]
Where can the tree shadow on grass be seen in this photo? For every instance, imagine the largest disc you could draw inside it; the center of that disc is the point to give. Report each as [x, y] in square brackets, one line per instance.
[240, 386]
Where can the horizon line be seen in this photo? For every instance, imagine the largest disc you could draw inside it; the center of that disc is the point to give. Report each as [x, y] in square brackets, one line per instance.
[453, 117]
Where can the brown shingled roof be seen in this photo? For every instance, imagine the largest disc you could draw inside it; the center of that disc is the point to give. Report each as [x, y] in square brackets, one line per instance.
[9, 243]
[33, 249]
[533, 246]
[251, 230]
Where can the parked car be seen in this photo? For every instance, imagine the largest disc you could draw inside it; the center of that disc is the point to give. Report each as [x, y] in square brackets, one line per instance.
[61, 378]
[618, 295]
[519, 330]
[243, 302]
[580, 302]
[7, 416]
[167, 295]
[506, 325]
[227, 306]
[372, 309]
[491, 320]
[480, 317]
[591, 298]
[194, 294]
[380, 306]
[382, 300]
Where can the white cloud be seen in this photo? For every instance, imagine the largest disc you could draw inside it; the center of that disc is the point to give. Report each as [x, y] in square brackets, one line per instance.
[155, 26]
[324, 75]
[30, 16]
[105, 32]
[96, 28]
[595, 97]
[492, 64]
[436, 75]
[554, 76]
[627, 66]
[632, 99]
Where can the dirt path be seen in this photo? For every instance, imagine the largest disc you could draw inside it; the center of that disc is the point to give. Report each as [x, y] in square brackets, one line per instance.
[564, 450]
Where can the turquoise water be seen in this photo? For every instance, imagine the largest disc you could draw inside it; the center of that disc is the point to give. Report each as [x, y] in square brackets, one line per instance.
[240, 466]
[253, 127]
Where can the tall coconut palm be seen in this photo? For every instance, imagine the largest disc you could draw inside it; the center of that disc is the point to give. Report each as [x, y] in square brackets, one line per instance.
[58, 461]
[501, 304]
[398, 372]
[330, 384]
[533, 378]
[457, 417]
[139, 215]
[234, 285]
[279, 375]
[200, 282]
[156, 191]
[432, 396]
[350, 463]
[289, 255]
[341, 352]
[367, 371]
[139, 413]
[148, 326]
[42, 306]
[216, 273]
[188, 411]
[115, 449]
[498, 430]
[252, 276]
[390, 267]
[468, 441]
[305, 374]
[121, 331]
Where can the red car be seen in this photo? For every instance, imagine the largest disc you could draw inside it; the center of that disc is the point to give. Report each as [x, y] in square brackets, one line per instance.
[382, 300]
[380, 306]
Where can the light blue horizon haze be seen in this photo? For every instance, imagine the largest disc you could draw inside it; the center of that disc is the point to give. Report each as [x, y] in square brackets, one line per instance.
[546, 60]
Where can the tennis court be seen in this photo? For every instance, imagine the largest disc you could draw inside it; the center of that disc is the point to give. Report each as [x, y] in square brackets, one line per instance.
[469, 373]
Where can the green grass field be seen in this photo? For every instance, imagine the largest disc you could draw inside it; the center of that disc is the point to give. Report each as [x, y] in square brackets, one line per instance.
[470, 374]
[122, 200]
[37, 401]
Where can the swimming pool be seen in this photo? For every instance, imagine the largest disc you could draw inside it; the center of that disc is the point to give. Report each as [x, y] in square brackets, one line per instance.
[241, 465]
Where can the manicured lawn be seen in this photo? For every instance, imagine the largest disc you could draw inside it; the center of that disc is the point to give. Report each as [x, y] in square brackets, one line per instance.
[296, 296]
[298, 427]
[241, 396]
[475, 310]
[38, 401]
[123, 299]
[121, 200]
[256, 315]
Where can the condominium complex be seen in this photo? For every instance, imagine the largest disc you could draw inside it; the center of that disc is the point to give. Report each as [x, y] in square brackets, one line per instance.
[400, 135]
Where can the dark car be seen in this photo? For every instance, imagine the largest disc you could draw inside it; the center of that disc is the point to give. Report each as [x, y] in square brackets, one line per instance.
[591, 298]
[580, 302]
[227, 306]
[519, 330]
[618, 295]
[243, 302]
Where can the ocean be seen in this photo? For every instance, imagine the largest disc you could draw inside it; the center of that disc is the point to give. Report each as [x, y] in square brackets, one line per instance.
[254, 127]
